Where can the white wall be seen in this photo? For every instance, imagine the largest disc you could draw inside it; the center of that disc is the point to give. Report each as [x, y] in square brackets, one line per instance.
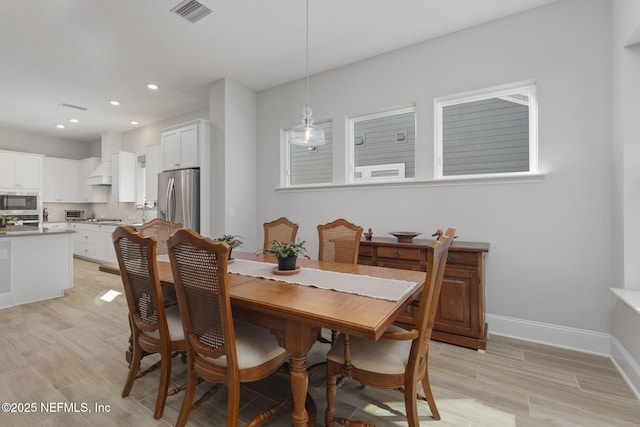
[626, 173]
[550, 258]
[17, 140]
[626, 138]
[233, 116]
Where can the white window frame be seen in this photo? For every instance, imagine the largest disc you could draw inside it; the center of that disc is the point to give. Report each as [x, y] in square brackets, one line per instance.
[482, 94]
[351, 152]
[285, 171]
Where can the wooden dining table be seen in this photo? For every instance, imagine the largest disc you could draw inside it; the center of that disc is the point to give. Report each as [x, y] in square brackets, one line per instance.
[295, 313]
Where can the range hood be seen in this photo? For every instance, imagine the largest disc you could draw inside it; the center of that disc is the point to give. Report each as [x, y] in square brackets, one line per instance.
[111, 143]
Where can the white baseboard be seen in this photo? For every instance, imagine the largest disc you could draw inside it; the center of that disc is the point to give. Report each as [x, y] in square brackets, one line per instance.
[546, 333]
[628, 368]
[6, 300]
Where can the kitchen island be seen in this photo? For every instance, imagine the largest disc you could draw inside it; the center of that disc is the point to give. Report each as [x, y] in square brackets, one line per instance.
[34, 264]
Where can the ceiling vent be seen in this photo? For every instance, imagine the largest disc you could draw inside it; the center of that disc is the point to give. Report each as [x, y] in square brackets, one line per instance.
[72, 106]
[191, 10]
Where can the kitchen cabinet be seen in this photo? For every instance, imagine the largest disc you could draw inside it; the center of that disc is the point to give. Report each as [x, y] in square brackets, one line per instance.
[20, 171]
[105, 251]
[123, 185]
[151, 170]
[60, 180]
[90, 193]
[180, 145]
[85, 240]
[460, 316]
[93, 241]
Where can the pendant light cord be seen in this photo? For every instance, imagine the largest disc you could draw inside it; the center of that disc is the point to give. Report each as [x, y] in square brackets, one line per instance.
[307, 55]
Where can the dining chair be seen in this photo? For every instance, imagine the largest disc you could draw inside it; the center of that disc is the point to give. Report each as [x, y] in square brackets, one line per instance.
[339, 241]
[281, 230]
[220, 350]
[154, 328]
[161, 229]
[399, 359]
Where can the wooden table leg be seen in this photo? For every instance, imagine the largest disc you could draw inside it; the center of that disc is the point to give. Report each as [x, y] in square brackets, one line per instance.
[299, 339]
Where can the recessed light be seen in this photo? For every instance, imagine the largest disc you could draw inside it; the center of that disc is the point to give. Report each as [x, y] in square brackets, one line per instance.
[152, 86]
[133, 122]
[60, 126]
[114, 102]
[73, 120]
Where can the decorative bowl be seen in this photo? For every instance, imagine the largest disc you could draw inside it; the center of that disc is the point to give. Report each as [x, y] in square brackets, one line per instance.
[405, 236]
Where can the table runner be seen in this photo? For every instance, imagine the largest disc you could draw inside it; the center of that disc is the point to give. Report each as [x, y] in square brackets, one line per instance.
[374, 287]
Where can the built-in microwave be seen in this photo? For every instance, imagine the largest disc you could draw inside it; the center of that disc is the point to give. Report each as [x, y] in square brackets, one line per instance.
[19, 203]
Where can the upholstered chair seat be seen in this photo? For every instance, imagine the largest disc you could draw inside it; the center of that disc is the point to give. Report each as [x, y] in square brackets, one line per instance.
[383, 356]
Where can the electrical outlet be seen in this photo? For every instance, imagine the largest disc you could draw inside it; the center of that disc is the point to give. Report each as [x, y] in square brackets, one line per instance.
[4, 253]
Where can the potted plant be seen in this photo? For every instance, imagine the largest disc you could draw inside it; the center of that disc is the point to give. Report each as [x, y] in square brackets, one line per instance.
[233, 241]
[286, 253]
[3, 221]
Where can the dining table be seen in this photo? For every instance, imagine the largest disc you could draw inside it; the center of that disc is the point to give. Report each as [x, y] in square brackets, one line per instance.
[295, 312]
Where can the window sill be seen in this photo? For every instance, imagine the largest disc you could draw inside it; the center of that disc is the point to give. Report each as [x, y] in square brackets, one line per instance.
[418, 183]
[630, 297]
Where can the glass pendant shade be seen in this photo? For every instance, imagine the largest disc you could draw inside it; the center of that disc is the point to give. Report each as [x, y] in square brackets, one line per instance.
[306, 134]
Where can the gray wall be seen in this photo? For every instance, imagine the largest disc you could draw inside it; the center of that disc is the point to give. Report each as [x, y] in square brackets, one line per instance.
[550, 260]
[26, 142]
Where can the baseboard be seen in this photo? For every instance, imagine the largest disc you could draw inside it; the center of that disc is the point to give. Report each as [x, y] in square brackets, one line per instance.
[628, 368]
[546, 333]
[6, 300]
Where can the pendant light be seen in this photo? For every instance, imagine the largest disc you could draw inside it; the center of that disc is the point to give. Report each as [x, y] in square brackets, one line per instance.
[307, 134]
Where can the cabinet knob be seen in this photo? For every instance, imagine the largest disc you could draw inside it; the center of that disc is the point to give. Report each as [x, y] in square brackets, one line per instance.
[452, 258]
[396, 254]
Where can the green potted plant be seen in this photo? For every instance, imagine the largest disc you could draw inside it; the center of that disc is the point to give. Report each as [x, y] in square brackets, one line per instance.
[232, 240]
[3, 221]
[286, 253]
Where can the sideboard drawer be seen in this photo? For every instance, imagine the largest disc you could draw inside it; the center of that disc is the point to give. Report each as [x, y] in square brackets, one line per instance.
[399, 253]
[464, 258]
[365, 251]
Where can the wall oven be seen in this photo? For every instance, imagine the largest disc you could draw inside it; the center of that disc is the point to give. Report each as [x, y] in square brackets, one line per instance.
[21, 209]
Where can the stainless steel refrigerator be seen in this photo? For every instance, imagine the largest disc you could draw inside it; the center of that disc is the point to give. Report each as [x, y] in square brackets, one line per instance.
[179, 197]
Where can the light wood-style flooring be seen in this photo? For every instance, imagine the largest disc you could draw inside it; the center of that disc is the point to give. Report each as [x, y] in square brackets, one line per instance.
[71, 350]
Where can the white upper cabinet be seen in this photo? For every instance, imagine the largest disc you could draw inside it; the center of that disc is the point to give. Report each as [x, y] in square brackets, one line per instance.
[20, 171]
[123, 186]
[60, 180]
[180, 145]
[91, 193]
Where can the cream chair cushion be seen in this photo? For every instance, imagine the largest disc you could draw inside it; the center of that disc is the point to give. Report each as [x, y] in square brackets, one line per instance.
[254, 345]
[174, 324]
[384, 356]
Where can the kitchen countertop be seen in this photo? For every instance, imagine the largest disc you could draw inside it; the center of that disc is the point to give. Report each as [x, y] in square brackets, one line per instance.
[137, 224]
[32, 232]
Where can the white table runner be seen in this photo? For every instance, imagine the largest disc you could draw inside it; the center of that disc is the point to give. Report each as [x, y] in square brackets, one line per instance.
[374, 287]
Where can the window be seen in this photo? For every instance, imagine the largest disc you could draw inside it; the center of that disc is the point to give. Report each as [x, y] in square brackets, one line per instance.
[490, 132]
[384, 146]
[310, 165]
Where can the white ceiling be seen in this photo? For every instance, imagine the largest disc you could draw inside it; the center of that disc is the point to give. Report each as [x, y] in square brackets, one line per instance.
[86, 52]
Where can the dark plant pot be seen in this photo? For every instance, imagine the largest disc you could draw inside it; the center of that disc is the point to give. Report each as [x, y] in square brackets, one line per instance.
[230, 250]
[287, 263]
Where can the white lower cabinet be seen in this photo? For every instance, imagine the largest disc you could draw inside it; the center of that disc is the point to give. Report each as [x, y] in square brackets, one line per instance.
[106, 251]
[93, 241]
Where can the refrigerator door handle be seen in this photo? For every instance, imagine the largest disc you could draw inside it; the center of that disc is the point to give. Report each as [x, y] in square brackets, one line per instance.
[171, 200]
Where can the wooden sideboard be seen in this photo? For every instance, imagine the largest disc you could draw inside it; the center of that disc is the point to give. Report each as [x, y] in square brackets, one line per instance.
[460, 316]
